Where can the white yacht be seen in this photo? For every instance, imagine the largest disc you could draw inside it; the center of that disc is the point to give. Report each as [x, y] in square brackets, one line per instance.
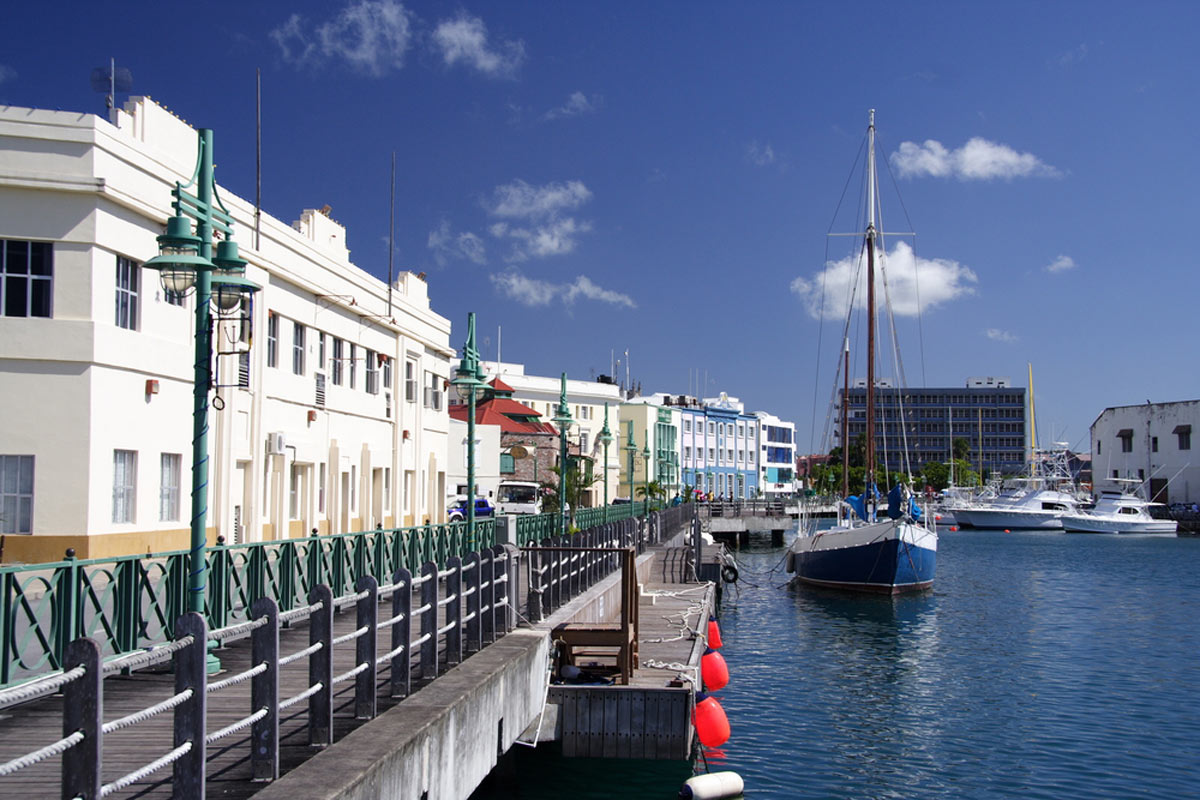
[1037, 503]
[1121, 511]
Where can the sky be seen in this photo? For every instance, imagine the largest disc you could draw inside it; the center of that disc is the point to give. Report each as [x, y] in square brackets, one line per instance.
[660, 177]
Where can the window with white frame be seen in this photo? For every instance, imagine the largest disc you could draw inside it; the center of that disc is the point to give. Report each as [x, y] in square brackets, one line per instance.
[297, 348]
[387, 372]
[712, 429]
[410, 381]
[353, 364]
[272, 339]
[294, 492]
[124, 486]
[320, 350]
[16, 494]
[128, 282]
[336, 368]
[168, 489]
[26, 278]
[372, 386]
[433, 391]
[583, 443]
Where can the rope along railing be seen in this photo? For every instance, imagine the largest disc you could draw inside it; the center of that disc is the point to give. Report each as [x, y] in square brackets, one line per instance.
[474, 596]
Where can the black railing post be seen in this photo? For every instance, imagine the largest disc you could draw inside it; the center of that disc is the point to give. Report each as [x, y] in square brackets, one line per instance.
[63, 601]
[473, 564]
[429, 626]
[366, 647]
[264, 692]
[190, 665]
[320, 668]
[402, 633]
[454, 584]
[127, 609]
[83, 700]
[508, 596]
[533, 600]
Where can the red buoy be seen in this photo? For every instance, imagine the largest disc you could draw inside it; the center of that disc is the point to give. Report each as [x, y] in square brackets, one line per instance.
[714, 633]
[712, 726]
[953, 527]
[713, 670]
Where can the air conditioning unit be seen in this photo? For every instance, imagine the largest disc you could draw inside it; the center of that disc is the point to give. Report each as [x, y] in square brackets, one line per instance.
[276, 444]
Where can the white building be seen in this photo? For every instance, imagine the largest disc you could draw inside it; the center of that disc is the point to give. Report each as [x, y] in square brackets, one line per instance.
[586, 401]
[1151, 440]
[335, 419]
[777, 456]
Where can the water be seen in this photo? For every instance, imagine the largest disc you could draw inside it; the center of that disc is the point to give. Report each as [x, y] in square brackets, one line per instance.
[1043, 665]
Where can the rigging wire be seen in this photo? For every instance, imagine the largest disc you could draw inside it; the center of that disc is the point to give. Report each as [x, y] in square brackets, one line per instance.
[916, 272]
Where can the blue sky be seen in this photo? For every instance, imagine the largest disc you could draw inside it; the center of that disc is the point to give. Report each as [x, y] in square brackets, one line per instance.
[659, 177]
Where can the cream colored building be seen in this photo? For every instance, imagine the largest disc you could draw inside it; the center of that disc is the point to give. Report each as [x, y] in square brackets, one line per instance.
[334, 419]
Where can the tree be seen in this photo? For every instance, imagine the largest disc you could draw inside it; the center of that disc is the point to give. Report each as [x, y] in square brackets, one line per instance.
[961, 448]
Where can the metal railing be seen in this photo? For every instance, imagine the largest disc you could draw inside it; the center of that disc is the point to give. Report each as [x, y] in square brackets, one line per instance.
[535, 528]
[478, 604]
[742, 508]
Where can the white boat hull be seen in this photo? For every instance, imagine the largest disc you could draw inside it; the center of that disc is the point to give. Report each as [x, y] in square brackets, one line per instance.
[1084, 523]
[1007, 519]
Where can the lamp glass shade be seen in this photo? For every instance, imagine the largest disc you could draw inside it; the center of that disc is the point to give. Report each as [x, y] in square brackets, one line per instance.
[177, 280]
[228, 289]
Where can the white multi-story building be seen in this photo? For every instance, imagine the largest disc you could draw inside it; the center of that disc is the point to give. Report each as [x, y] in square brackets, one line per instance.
[1149, 441]
[586, 401]
[777, 456]
[335, 419]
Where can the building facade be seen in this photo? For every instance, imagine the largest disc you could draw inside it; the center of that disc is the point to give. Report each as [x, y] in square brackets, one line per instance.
[1149, 441]
[777, 456]
[328, 409]
[989, 413]
[645, 424]
[719, 446]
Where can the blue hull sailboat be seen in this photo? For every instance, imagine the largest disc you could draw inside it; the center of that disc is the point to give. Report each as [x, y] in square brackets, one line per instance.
[870, 549]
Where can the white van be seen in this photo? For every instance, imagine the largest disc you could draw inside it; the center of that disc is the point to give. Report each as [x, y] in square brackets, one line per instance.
[518, 497]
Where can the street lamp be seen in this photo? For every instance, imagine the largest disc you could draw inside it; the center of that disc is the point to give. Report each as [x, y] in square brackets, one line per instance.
[605, 437]
[186, 263]
[646, 465]
[630, 448]
[563, 420]
[469, 384]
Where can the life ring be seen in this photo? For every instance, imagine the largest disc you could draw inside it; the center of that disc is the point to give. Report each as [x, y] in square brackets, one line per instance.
[729, 573]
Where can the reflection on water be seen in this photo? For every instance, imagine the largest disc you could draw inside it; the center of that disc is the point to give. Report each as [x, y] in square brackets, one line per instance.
[1041, 665]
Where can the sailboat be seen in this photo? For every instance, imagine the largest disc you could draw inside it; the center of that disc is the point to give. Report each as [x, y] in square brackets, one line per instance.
[870, 549]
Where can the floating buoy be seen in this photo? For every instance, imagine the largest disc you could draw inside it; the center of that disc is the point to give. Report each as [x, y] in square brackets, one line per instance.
[713, 670]
[729, 573]
[714, 633]
[937, 518]
[953, 527]
[712, 726]
[1006, 530]
[712, 786]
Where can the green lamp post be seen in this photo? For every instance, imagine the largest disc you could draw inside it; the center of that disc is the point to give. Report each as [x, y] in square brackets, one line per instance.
[605, 437]
[630, 449]
[468, 382]
[186, 264]
[646, 465]
[562, 419]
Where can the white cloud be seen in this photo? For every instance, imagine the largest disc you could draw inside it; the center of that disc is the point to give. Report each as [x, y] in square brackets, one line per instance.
[534, 292]
[997, 335]
[465, 40]
[446, 245]
[540, 228]
[371, 36]
[1073, 56]
[7, 73]
[1061, 264]
[978, 160]
[577, 105]
[912, 284]
[760, 154]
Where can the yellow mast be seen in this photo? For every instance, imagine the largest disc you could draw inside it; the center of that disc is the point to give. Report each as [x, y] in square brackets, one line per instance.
[1032, 419]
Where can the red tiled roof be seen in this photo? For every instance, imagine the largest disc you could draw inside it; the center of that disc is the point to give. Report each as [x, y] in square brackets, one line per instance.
[500, 386]
[496, 412]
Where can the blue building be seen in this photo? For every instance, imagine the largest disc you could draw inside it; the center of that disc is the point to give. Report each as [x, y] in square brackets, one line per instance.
[719, 452]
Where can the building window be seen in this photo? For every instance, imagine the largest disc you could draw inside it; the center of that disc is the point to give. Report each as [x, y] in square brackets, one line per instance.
[1184, 432]
[272, 339]
[297, 348]
[583, 443]
[244, 369]
[320, 350]
[1126, 437]
[353, 364]
[387, 372]
[372, 372]
[26, 278]
[16, 494]
[1154, 444]
[294, 492]
[1098, 448]
[124, 485]
[336, 367]
[173, 298]
[433, 391]
[321, 489]
[168, 493]
[410, 381]
[128, 275]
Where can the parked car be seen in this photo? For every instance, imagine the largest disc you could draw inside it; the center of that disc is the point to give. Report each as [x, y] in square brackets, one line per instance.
[457, 512]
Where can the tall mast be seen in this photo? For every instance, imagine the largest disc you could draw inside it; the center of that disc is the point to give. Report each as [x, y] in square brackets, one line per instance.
[869, 472]
[845, 417]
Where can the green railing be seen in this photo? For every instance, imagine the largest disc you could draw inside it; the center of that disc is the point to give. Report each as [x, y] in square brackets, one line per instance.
[534, 528]
[132, 602]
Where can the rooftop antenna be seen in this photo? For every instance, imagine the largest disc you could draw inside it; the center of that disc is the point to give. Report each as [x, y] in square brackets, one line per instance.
[111, 80]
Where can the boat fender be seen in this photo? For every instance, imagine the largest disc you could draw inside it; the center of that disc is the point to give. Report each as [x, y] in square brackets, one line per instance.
[790, 561]
[712, 786]
[729, 573]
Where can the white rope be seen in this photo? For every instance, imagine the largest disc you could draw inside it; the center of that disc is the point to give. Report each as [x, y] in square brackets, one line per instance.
[217, 686]
[389, 656]
[149, 769]
[222, 634]
[237, 726]
[308, 651]
[147, 657]
[399, 617]
[350, 636]
[345, 676]
[39, 687]
[147, 713]
[61, 746]
[297, 613]
[307, 693]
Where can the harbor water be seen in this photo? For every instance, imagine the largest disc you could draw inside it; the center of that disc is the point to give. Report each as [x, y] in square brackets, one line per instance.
[1042, 665]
